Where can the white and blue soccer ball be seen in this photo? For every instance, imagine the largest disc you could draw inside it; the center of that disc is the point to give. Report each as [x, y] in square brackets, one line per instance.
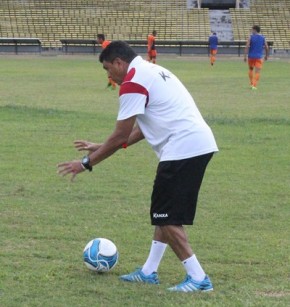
[100, 255]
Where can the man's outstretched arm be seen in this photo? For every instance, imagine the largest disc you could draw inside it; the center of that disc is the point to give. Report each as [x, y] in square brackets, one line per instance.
[124, 134]
[135, 136]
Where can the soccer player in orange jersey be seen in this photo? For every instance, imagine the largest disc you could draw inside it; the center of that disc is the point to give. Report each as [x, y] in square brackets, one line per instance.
[104, 43]
[254, 50]
[151, 48]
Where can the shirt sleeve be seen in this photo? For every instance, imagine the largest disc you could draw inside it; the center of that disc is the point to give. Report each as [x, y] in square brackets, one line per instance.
[133, 100]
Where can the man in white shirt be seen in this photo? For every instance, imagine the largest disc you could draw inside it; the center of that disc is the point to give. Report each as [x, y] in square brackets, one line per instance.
[156, 106]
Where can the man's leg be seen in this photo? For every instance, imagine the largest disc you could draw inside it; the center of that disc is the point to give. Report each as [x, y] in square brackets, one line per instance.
[251, 75]
[153, 56]
[176, 237]
[196, 279]
[256, 77]
[212, 56]
[149, 57]
[177, 240]
[157, 251]
[148, 273]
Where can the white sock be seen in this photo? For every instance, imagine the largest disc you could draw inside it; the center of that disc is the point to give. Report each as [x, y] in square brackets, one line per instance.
[156, 253]
[193, 268]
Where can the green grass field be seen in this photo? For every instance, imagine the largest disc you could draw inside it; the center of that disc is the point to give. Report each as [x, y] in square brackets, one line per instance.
[241, 231]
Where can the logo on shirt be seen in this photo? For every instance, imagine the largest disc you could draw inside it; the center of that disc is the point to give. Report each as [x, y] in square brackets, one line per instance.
[160, 215]
[164, 76]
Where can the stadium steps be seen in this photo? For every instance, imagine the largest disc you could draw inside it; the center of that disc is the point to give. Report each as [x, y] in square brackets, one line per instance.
[274, 22]
[52, 20]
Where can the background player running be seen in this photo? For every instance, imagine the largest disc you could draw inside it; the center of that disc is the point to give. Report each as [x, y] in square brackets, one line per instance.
[213, 46]
[151, 48]
[104, 43]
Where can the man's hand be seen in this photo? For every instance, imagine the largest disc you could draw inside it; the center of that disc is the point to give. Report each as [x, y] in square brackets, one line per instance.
[81, 145]
[99, 152]
[73, 167]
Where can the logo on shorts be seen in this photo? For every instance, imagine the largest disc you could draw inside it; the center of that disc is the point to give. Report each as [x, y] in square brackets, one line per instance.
[160, 215]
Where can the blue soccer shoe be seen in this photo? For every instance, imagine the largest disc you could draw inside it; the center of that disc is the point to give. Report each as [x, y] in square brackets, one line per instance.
[191, 285]
[139, 276]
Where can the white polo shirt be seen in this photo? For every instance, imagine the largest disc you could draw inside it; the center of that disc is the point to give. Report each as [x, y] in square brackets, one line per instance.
[166, 112]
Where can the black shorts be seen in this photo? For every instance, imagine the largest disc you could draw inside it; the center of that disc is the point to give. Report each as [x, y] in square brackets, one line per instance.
[175, 190]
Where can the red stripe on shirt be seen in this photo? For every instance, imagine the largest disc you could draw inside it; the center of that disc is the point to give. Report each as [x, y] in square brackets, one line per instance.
[130, 75]
[133, 88]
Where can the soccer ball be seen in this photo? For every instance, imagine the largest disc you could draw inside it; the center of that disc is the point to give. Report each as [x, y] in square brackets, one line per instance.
[100, 255]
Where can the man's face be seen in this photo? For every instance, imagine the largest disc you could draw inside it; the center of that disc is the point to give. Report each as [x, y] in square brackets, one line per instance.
[254, 31]
[117, 70]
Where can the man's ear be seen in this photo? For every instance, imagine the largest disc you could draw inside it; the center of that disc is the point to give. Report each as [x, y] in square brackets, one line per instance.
[117, 60]
[120, 63]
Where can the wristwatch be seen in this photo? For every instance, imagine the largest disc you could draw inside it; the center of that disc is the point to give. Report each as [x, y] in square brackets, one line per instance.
[86, 163]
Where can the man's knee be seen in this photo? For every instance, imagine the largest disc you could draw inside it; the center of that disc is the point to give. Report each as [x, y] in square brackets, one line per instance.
[171, 232]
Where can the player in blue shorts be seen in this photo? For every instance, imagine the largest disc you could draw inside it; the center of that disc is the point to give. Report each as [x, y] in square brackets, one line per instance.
[154, 105]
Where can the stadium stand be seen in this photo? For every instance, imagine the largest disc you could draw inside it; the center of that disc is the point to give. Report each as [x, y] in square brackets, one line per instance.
[272, 16]
[52, 20]
[55, 20]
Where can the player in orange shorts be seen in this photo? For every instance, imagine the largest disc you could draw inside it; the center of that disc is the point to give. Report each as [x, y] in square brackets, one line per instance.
[213, 46]
[254, 49]
[151, 48]
[104, 43]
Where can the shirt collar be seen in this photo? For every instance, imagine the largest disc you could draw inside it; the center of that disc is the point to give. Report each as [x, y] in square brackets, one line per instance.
[137, 60]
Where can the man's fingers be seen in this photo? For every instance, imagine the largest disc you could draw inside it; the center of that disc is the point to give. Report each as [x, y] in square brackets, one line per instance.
[81, 145]
[81, 148]
[64, 171]
[73, 176]
[65, 168]
[72, 167]
[63, 164]
[78, 143]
